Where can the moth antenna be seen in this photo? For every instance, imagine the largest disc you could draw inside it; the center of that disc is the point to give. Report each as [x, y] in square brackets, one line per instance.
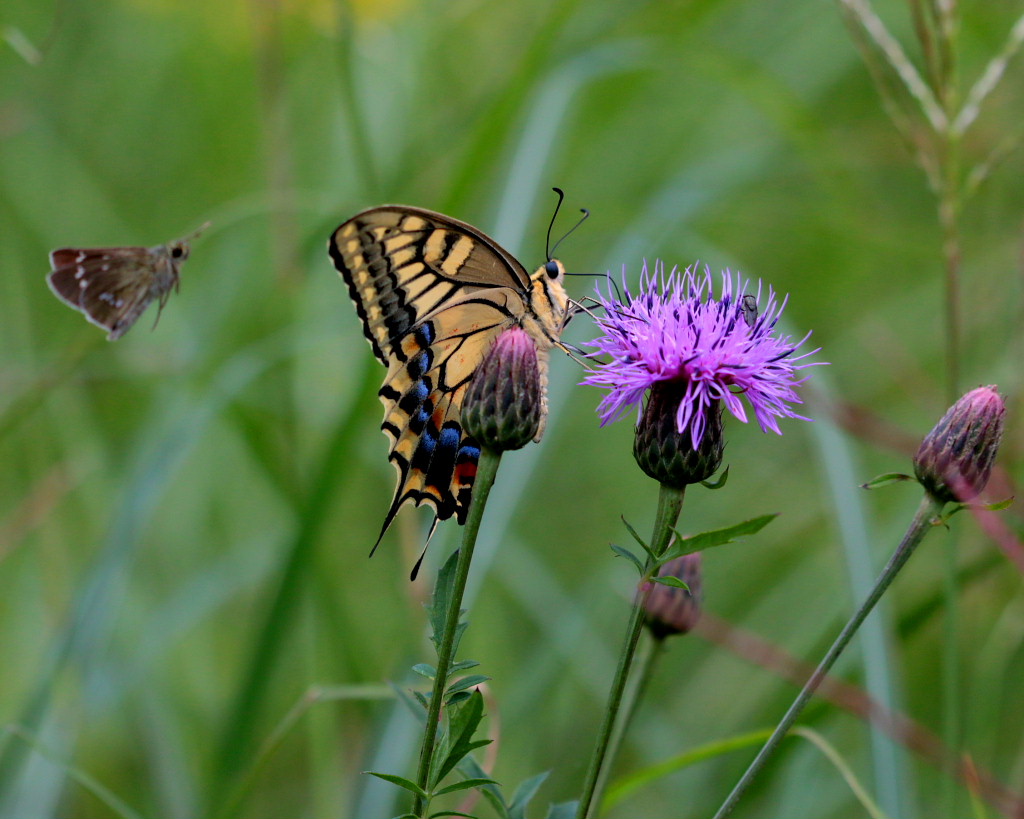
[196, 233]
[583, 218]
[551, 224]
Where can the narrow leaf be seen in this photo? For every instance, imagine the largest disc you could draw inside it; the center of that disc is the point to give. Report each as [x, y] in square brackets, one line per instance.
[669, 580]
[462, 724]
[450, 813]
[886, 479]
[470, 768]
[438, 607]
[563, 810]
[715, 537]
[463, 665]
[425, 670]
[467, 682]
[401, 781]
[722, 479]
[457, 698]
[524, 793]
[465, 784]
[422, 699]
[632, 558]
[636, 537]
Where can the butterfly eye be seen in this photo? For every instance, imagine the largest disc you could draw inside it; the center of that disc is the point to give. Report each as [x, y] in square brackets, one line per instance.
[552, 269]
[177, 252]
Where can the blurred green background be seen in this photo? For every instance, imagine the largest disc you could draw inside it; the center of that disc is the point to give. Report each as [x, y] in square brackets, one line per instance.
[185, 515]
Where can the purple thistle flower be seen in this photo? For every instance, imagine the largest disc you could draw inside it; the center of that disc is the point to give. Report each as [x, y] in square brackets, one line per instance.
[675, 330]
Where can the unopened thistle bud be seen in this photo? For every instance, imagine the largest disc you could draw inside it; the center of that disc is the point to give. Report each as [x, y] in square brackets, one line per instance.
[665, 453]
[954, 461]
[669, 610]
[503, 404]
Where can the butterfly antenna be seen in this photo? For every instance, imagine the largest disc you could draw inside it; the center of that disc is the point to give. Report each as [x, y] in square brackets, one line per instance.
[551, 224]
[583, 218]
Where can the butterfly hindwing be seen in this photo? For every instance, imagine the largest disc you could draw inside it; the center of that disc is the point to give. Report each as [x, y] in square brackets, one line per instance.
[423, 394]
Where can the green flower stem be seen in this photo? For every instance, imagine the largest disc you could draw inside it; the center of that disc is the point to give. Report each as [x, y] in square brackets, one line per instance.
[915, 533]
[649, 652]
[670, 503]
[487, 468]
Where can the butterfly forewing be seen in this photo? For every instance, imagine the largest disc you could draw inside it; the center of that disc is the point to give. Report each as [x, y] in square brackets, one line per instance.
[403, 263]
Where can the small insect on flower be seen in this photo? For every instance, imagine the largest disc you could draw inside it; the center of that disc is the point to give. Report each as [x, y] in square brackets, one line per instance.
[113, 286]
[675, 333]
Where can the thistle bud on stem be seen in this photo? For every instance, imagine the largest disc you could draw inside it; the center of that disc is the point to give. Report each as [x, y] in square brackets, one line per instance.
[954, 461]
[669, 610]
[503, 405]
[668, 455]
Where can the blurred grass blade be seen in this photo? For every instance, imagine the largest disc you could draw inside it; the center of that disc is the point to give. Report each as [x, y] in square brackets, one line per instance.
[117, 805]
[896, 58]
[989, 79]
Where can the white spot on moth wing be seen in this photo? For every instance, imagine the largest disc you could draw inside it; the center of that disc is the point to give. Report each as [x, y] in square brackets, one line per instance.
[81, 257]
[105, 267]
[80, 272]
[84, 283]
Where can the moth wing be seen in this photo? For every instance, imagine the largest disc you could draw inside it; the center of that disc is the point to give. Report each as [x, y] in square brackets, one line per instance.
[110, 286]
[403, 263]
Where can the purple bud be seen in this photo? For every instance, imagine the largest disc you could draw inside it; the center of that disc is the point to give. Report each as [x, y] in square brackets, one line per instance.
[669, 610]
[954, 461]
[503, 405]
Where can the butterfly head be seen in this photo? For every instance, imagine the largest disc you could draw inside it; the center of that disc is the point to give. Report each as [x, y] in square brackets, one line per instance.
[554, 270]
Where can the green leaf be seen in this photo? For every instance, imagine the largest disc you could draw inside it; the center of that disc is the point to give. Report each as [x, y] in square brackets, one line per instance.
[997, 506]
[636, 537]
[467, 682]
[714, 537]
[465, 784]
[441, 599]
[563, 810]
[987, 507]
[462, 665]
[470, 768]
[524, 793]
[401, 781]
[414, 701]
[670, 580]
[719, 483]
[886, 479]
[450, 813]
[462, 724]
[422, 699]
[425, 670]
[407, 816]
[457, 698]
[632, 558]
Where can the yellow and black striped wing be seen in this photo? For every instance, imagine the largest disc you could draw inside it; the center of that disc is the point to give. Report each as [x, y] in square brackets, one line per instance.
[433, 293]
[402, 263]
